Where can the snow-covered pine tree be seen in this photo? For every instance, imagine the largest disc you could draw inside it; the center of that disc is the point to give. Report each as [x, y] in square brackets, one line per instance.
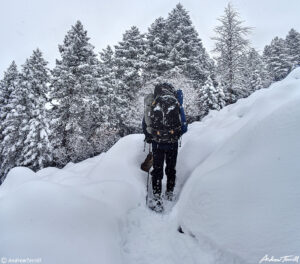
[106, 64]
[106, 84]
[8, 120]
[98, 117]
[113, 105]
[211, 97]
[231, 46]
[7, 86]
[157, 52]
[259, 77]
[277, 59]
[36, 152]
[185, 47]
[73, 97]
[129, 64]
[292, 41]
[255, 74]
[129, 61]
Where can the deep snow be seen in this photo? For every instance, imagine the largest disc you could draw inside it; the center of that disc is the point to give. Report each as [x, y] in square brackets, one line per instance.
[238, 195]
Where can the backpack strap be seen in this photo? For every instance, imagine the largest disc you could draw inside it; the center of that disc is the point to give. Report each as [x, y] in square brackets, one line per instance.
[176, 133]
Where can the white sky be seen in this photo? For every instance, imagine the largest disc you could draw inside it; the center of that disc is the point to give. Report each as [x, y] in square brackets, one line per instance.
[28, 24]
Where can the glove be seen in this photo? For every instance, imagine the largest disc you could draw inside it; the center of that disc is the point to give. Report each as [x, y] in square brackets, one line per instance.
[148, 140]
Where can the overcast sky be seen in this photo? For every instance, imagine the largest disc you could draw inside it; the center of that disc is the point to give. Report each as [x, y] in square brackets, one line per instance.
[28, 24]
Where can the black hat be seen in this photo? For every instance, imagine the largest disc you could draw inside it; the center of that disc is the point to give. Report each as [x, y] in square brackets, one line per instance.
[157, 90]
[163, 89]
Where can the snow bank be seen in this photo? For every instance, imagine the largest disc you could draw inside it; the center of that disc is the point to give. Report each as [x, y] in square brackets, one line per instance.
[17, 176]
[243, 193]
[72, 215]
[54, 223]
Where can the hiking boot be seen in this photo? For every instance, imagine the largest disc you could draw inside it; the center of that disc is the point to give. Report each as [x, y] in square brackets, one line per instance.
[169, 196]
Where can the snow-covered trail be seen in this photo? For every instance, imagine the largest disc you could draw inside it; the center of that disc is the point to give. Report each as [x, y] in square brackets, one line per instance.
[148, 237]
[151, 238]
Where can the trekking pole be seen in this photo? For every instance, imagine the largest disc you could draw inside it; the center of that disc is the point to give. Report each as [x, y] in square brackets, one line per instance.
[148, 177]
[147, 188]
[144, 145]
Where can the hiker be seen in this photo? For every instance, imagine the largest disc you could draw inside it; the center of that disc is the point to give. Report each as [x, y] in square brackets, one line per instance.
[163, 125]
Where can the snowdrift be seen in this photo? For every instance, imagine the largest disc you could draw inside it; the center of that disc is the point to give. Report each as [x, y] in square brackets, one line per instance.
[238, 195]
[72, 215]
[243, 193]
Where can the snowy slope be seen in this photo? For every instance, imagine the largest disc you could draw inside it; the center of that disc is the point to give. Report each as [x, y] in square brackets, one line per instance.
[237, 179]
[72, 215]
[243, 196]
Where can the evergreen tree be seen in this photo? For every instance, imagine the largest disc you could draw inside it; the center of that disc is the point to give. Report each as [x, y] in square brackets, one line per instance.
[106, 61]
[174, 42]
[36, 151]
[129, 61]
[113, 106]
[293, 47]
[107, 85]
[129, 64]
[185, 47]
[8, 119]
[157, 52]
[231, 47]
[211, 97]
[255, 74]
[73, 96]
[259, 76]
[277, 59]
[7, 86]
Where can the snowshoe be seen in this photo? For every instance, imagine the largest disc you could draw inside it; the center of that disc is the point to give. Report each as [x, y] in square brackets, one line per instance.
[156, 205]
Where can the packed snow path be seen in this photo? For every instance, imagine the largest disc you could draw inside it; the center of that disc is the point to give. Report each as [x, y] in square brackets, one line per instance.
[150, 238]
[153, 238]
[238, 195]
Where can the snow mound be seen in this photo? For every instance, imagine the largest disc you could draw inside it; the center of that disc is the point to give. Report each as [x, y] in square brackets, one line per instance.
[18, 176]
[295, 74]
[244, 196]
[57, 224]
[72, 215]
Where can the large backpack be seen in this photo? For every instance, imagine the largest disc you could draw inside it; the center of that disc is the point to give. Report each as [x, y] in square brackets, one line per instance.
[148, 100]
[165, 117]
